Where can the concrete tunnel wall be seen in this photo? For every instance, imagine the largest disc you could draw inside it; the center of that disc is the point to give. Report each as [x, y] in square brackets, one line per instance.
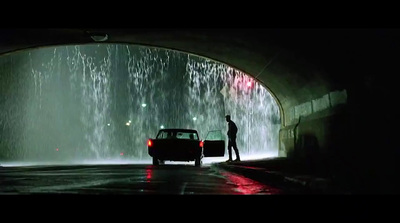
[326, 116]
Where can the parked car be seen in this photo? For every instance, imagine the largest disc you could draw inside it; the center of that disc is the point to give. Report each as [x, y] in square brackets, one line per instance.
[185, 145]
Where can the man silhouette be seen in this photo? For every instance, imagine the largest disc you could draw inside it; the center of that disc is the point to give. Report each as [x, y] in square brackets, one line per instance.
[232, 131]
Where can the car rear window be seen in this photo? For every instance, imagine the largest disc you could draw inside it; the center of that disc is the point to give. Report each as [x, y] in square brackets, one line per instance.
[177, 135]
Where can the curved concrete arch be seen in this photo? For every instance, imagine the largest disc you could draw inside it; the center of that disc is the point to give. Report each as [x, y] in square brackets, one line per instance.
[289, 79]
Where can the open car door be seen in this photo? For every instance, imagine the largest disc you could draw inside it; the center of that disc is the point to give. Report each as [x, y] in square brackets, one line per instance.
[214, 144]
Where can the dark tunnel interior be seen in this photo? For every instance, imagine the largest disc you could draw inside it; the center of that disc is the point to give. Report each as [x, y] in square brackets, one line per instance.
[334, 87]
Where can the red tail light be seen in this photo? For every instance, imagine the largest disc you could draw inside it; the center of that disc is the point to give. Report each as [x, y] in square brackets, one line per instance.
[149, 142]
[201, 143]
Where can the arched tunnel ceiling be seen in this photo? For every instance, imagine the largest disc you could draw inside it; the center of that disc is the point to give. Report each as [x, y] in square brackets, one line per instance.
[297, 65]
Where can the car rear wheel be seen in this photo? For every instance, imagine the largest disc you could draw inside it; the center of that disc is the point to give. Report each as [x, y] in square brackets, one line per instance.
[197, 161]
[155, 161]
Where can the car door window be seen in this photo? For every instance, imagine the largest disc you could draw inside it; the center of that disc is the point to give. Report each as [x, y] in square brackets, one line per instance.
[214, 135]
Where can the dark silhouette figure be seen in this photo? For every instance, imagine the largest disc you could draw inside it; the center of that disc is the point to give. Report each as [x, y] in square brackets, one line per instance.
[232, 131]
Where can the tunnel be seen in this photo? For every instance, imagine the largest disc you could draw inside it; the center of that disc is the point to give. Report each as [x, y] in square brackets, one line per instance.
[334, 87]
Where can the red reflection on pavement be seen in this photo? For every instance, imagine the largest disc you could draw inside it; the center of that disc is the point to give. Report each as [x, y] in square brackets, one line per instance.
[248, 186]
[149, 173]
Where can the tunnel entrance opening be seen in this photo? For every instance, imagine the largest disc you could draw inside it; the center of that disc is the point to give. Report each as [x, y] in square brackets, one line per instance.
[100, 102]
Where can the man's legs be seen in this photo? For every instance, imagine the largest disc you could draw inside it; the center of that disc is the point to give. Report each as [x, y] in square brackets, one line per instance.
[236, 150]
[229, 150]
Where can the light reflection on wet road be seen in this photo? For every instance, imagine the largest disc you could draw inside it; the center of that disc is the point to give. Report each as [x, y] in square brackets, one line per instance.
[172, 179]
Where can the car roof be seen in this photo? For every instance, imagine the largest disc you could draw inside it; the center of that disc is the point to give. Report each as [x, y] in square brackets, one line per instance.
[179, 130]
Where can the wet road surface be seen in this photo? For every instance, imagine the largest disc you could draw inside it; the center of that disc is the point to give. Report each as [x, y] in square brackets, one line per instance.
[174, 179]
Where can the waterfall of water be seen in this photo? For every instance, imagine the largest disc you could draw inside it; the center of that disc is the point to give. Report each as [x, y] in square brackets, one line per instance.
[102, 102]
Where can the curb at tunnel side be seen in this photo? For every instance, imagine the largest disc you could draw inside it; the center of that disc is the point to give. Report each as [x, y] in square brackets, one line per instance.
[292, 184]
